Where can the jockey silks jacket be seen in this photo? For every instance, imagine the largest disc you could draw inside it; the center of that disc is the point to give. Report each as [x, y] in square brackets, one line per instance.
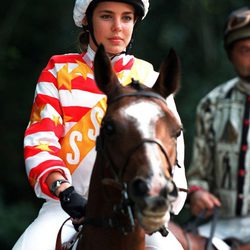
[221, 152]
[66, 116]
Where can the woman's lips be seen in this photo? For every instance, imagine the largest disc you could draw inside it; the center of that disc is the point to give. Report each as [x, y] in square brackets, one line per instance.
[115, 39]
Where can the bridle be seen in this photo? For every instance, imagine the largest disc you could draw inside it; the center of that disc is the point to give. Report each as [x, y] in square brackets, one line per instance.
[100, 141]
[125, 206]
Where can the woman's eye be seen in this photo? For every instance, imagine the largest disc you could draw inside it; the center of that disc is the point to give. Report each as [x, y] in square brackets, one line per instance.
[106, 17]
[127, 18]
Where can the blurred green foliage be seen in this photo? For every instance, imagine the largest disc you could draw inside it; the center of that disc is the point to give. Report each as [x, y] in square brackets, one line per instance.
[32, 31]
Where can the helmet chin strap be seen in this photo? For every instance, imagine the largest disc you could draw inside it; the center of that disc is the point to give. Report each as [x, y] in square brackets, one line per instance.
[130, 45]
[91, 32]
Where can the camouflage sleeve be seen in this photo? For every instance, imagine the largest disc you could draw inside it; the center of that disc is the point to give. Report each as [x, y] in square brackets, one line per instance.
[201, 166]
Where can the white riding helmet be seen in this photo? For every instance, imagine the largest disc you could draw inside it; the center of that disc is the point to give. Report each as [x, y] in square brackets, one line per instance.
[81, 6]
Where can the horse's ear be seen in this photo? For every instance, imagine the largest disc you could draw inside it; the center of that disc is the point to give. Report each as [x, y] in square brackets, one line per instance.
[168, 81]
[105, 77]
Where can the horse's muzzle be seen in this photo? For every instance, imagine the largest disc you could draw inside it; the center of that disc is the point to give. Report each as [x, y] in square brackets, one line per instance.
[144, 199]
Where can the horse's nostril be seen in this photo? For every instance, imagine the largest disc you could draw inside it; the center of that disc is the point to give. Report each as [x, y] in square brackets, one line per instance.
[140, 187]
[170, 189]
[160, 202]
[164, 192]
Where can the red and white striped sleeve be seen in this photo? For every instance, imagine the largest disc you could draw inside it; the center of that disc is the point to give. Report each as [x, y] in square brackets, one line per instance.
[42, 136]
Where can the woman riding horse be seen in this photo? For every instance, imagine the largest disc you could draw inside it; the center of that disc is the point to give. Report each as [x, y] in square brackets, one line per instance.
[68, 107]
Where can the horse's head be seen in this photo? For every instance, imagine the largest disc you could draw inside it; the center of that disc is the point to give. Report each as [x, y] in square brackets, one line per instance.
[138, 139]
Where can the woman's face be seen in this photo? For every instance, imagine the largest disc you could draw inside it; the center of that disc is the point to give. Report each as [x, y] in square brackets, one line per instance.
[113, 24]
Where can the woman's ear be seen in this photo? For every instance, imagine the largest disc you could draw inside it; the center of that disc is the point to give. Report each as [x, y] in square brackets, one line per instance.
[85, 21]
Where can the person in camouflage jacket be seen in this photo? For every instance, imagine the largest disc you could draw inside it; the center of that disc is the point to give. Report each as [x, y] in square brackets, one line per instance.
[219, 174]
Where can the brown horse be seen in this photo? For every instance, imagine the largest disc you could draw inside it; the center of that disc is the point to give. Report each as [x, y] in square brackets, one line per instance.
[131, 188]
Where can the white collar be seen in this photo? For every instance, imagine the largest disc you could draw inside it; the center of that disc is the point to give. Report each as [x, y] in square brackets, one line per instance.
[90, 55]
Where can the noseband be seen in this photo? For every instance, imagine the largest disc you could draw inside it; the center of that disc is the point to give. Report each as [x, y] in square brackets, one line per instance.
[118, 176]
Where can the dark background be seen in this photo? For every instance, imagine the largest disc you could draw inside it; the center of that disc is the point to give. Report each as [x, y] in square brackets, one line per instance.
[32, 31]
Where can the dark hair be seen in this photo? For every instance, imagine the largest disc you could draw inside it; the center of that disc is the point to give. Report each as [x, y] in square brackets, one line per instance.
[83, 39]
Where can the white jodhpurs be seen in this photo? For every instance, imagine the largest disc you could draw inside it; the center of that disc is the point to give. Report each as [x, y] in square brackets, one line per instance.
[42, 232]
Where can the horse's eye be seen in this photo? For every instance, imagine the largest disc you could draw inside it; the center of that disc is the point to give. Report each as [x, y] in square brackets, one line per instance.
[109, 127]
[178, 133]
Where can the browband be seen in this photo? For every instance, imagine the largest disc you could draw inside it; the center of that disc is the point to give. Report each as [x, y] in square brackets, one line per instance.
[140, 93]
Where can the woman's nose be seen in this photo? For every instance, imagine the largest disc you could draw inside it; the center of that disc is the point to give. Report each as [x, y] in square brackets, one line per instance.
[117, 26]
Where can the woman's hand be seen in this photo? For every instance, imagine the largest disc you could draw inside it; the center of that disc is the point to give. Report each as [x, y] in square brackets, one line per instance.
[73, 203]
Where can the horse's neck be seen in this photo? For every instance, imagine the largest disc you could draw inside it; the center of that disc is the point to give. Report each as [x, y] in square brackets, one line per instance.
[101, 197]
[100, 205]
